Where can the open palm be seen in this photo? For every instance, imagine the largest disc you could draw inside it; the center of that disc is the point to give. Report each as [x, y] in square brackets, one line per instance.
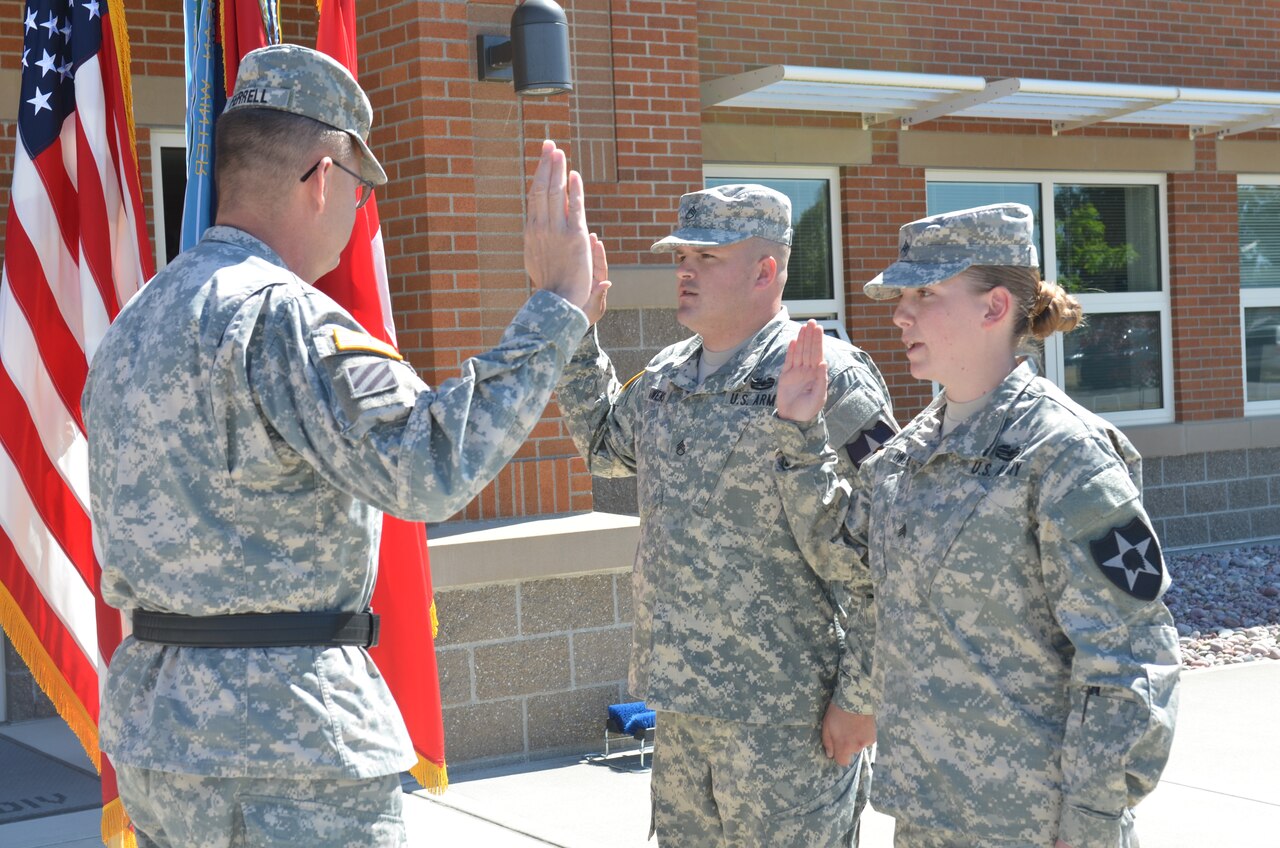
[802, 386]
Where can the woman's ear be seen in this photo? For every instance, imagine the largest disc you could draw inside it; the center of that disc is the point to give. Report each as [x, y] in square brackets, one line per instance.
[1000, 305]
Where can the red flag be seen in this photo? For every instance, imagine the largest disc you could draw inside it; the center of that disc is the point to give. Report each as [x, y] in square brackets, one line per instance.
[76, 249]
[402, 597]
[241, 28]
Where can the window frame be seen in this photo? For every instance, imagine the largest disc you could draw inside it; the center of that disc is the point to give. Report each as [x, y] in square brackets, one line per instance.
[829, 308]
[1096, 303]
[1253, 297]
[162, 137]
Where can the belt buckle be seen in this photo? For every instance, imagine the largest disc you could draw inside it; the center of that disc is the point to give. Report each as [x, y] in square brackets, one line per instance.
[375, 629]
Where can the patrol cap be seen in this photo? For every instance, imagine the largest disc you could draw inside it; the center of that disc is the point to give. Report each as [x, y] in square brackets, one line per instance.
[728, 214]
[297, 79]
[937, 248]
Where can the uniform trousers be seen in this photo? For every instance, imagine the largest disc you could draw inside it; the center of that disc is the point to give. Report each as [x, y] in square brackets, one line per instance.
[907, 835]
[721, 784]
[171, 810]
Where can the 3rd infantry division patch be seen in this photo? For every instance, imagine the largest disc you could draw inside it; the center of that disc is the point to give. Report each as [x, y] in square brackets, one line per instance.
[1130, 558]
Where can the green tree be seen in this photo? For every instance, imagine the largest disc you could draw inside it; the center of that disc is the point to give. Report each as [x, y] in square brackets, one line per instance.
[1086, 259]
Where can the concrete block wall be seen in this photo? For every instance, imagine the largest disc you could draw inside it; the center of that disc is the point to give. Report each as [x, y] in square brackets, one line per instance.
[528, 667]
[1214, 498]
[23, 699]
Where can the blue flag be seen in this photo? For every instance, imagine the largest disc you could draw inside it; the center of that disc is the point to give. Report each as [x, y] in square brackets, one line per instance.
[206, 95]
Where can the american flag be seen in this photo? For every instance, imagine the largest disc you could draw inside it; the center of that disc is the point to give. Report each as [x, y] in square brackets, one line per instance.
[75, 251]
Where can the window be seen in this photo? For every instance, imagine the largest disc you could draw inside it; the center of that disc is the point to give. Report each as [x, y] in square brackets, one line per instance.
[1108, 247]
[1258, 205]
[169, 183]
[815, 274]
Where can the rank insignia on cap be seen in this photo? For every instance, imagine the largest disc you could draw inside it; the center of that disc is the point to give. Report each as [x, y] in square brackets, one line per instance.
[1130, 558]
[868, 442]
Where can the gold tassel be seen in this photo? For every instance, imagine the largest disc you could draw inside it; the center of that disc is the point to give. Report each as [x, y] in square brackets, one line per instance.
[435, 621]
[116, 832]
[120, 32]
[433, 777]
[47, 677]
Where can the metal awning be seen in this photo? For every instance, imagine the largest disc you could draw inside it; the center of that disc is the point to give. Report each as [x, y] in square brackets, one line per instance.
[911, 99]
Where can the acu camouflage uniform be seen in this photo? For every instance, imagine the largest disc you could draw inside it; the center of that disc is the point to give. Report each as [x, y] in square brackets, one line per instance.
[1025, 668]
[732, 621]
[245, 435]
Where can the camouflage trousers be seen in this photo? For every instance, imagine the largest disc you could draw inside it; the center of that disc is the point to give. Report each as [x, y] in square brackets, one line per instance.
[718, 784]
[172, 810]
[906, 835]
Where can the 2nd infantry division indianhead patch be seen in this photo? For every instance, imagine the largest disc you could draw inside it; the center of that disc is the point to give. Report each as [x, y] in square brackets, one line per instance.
[868, 442]
[1130, 558]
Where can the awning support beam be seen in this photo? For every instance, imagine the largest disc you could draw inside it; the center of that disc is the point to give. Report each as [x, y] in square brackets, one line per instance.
[959, 101]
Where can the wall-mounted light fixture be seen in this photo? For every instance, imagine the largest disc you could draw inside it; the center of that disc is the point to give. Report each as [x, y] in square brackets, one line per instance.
[536, 55]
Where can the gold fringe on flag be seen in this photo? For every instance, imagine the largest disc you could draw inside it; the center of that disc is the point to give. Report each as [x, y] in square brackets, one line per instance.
[120, 35]
[116, 832]
[47, 677]
[434, 777]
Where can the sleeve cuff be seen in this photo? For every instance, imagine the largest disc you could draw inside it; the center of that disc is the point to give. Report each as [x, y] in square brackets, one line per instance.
[800, 443]
[554, 317]
[854, 697]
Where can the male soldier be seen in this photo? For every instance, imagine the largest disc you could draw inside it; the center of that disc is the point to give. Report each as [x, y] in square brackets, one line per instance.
[244, 435]
[756, 657]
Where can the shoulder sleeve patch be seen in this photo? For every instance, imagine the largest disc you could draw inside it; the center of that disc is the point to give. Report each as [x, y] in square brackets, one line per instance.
[1129, 557]
[367, 377]
[347, 341]
[869, 441]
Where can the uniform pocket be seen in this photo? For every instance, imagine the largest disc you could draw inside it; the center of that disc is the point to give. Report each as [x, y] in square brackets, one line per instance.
[828, 818]
[737, 489]
[287, 823]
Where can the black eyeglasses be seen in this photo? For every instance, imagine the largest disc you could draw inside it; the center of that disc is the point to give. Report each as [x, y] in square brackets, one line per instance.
[364, 190]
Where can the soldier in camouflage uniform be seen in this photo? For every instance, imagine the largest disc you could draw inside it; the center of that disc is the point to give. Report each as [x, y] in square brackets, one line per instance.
[755, 656]
[1025, 668]
[245, 435]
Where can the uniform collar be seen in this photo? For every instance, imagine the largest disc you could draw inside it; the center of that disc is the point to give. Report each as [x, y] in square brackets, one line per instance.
[973, 438]
[245, 241]
[737, 371]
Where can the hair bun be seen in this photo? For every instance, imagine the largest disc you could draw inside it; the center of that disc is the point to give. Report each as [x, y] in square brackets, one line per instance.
[1055, 311]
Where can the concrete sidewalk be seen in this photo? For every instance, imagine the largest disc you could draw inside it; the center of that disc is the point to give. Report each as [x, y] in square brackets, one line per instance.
[1221, 788]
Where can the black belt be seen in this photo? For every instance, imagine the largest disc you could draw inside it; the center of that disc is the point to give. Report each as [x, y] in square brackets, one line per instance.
[258, 629]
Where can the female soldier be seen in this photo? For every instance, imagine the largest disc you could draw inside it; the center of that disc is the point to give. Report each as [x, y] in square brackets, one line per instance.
[1025, 668]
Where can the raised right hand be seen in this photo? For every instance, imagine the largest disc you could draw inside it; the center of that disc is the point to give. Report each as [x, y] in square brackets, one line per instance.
[802, 385]
[557, 251]
[600, 284]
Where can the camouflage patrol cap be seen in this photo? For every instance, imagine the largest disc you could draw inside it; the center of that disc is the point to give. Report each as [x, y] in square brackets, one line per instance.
[728, 214]
[297, 79]
[937, 248]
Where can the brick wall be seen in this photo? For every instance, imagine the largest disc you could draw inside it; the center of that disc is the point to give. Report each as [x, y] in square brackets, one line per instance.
[1223, 45]
[1205, 270]
[459, 152]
